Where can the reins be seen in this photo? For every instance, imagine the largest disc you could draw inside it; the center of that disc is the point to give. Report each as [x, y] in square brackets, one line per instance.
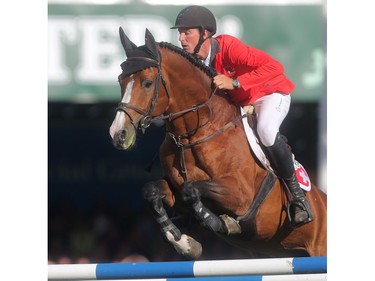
[147, 119]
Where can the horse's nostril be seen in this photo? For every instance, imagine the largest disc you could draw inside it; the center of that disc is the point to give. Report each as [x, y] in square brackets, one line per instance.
[122, 135]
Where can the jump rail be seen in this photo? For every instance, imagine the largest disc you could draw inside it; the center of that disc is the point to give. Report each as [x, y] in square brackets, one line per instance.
[311, 268]
[297, 277]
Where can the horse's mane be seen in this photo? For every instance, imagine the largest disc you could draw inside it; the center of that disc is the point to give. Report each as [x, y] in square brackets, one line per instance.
[192, 59]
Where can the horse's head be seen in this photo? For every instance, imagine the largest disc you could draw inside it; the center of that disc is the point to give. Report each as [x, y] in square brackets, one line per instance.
[140, 82]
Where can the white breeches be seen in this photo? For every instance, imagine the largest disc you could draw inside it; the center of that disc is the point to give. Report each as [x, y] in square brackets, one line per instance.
[271, 111]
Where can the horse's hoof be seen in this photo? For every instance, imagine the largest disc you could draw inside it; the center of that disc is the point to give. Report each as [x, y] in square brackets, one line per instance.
[186, 246]
[231, 225]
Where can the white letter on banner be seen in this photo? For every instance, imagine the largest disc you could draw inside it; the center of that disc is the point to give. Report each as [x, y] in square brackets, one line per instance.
[61, 32]
[135, 27]
[100, 52]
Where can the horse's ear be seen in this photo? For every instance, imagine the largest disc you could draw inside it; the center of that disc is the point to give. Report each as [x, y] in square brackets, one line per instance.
[125, 41]
[151, 45]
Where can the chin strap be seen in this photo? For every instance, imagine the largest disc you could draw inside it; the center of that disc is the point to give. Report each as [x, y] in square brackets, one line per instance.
[201, 40]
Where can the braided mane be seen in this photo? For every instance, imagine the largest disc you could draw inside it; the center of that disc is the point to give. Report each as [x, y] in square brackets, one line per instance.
[192, 59]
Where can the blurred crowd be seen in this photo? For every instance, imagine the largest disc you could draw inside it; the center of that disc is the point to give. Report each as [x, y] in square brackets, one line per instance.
[117, 234]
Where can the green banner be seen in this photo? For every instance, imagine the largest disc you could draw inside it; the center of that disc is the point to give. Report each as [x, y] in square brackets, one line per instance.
[85, 52]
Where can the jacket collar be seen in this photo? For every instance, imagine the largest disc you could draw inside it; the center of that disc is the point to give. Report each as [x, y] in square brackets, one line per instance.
[215, 48]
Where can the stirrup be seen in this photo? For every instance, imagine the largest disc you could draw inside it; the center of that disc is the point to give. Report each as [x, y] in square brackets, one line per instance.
[232, 226]
[304, 206]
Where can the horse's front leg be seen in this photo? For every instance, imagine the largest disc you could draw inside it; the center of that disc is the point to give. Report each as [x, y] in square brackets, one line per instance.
[222, 224]
[157, 192]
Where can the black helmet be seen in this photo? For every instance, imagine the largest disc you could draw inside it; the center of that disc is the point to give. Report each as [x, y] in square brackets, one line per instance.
[196, 16]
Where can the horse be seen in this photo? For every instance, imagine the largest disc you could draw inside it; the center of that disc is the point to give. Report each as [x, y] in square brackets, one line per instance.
[208, 167]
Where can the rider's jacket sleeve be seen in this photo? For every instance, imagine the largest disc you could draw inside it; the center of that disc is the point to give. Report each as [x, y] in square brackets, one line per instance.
[259, 74]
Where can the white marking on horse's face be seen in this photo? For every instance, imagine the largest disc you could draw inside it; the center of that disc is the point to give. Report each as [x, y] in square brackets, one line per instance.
[128, 91]
[119, 121]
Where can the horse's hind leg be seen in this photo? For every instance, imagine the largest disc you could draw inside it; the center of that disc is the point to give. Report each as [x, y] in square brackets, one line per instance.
[183, 244]
[219, 224]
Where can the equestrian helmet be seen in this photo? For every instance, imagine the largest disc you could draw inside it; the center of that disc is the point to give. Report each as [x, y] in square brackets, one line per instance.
[196, 16]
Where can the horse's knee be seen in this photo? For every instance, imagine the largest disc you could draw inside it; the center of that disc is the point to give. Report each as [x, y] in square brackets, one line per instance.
[190, 194]
[151, 191]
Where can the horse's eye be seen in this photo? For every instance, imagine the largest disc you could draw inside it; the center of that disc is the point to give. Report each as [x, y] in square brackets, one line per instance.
[147, 84]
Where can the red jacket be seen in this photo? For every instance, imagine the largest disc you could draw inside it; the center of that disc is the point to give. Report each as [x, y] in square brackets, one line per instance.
[259, 74]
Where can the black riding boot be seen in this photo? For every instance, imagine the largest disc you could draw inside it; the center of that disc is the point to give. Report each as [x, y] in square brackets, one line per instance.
[281, 160]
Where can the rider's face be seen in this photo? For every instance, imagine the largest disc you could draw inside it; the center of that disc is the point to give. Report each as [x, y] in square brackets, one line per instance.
[188, 38]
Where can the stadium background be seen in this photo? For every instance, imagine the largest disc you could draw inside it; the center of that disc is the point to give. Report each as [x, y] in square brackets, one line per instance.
[95, 208]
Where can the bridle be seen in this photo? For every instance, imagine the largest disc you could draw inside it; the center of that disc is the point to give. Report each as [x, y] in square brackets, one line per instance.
[147, 119]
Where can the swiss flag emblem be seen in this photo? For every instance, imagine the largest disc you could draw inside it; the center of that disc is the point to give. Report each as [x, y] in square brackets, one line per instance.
[302, 176]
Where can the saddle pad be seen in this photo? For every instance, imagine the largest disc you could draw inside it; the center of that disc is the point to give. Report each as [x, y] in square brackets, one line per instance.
[302, 176]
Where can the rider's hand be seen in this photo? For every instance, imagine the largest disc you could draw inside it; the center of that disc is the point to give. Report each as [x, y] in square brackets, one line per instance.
[223, 82]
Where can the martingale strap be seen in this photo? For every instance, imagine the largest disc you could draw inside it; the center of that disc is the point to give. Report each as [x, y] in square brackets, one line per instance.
[182, 146]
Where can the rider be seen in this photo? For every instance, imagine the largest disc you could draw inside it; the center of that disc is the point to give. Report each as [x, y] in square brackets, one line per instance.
[253, 78]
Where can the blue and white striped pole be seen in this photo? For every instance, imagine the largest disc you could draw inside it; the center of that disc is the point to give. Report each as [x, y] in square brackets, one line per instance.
[297, 277]
[258, 268]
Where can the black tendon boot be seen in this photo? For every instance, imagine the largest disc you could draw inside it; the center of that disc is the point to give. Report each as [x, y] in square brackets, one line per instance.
[281, 160]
